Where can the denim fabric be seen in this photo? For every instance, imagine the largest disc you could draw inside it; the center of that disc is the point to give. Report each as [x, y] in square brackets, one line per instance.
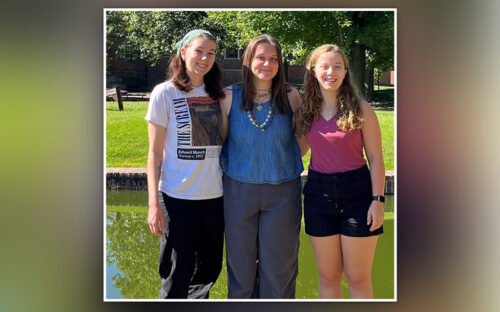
[252, 156]
[338, 203]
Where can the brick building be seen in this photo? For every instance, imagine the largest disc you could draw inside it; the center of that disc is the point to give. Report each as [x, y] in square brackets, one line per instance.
[387, 78]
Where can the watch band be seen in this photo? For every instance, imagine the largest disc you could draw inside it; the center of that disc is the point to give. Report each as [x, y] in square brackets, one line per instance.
[379, 198]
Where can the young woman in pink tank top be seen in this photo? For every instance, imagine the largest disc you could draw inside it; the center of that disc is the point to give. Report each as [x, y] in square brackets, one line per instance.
[343, 200]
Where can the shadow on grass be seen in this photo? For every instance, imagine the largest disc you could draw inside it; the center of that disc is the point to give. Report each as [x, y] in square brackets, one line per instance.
[384, 95]
[383, 106]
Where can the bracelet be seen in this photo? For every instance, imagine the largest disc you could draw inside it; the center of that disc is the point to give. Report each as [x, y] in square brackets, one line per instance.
[379, 198]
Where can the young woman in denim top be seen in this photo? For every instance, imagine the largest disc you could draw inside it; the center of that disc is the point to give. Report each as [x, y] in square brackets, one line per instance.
[262, 165]
[343, 200]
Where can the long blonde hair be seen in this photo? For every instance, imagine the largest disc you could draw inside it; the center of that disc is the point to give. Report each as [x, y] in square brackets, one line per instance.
[348, 99]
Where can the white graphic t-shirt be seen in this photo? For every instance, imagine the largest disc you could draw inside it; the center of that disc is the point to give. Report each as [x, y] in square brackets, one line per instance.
[193, 140]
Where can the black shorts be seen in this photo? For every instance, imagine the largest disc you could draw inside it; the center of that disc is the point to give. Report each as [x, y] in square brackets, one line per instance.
[338, 203]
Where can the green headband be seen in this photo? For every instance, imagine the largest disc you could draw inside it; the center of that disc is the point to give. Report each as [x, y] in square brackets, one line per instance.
[188, 37]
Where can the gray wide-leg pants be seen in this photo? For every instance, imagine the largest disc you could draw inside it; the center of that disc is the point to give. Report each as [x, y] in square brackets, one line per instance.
[262, 228]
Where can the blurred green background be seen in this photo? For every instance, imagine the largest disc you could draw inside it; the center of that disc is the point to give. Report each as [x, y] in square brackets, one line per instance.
[52, 167]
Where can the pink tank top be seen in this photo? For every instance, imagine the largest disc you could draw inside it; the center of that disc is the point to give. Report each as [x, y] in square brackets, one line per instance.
[333, 150]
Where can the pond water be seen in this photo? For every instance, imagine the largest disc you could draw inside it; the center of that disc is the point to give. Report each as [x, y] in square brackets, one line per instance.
[132, 254]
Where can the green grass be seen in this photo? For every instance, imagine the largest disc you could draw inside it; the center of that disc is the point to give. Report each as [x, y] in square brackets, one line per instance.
[127, 136]
[386, 121]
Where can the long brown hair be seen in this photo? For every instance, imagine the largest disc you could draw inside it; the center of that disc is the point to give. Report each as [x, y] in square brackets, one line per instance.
[348, 99]
[278, 88]
[213, 79]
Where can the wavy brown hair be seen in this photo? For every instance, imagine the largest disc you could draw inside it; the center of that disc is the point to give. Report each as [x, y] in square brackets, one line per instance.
[278, 89]
[213, 79]
[348, 99]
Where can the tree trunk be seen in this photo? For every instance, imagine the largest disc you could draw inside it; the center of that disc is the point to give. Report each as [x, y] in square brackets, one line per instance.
[358, 65]
[369, 82]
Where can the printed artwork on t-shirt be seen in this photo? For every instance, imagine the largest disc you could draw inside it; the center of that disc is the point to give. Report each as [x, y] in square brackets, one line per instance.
[206, 121]
[199, 123]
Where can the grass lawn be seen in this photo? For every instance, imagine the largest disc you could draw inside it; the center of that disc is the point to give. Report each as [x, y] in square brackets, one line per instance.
[127, 135]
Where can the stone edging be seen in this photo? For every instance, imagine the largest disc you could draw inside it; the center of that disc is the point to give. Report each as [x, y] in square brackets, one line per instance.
[136, 179]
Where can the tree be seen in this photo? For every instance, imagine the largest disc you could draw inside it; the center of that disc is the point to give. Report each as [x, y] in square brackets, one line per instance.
[150, 35]
[133, 250]
[366, 36]
[371, 42]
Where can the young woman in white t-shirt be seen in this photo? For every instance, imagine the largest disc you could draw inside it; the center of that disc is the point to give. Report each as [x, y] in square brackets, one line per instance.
[185, 138]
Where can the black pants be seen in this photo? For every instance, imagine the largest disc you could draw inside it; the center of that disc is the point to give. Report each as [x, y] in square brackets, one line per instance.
[191, 247]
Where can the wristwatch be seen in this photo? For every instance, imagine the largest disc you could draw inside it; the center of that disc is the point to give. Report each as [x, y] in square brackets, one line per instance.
[379, 198]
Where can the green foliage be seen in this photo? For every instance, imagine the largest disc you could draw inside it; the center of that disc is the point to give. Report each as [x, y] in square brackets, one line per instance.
[132, 248]
[376, 33]
[149, 35]
[299, 32]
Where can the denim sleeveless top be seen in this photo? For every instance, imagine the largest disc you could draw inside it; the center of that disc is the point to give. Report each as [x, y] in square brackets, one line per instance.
[252, 156]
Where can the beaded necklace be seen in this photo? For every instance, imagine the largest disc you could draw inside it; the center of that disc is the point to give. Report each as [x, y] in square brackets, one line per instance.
[267, 122]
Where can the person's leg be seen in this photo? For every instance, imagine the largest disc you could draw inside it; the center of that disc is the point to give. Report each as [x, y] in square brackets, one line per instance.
[279, 232]
[322, 224]
[177, 255]
[358, 243]
[208, 250]
[241, 216]
[328, 253]
[357, 253]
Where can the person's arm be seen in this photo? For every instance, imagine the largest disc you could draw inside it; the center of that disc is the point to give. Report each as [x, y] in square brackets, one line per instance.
[295, 99]
[156, 218]
[372, 140]
[303, 144]
[296, 103]
[225, 105]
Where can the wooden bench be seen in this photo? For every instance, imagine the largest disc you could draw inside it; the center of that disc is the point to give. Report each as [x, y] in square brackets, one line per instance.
[116, 94]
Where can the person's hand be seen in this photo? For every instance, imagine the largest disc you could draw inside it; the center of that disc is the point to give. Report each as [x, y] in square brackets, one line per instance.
[156, 220]
[375, 215]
